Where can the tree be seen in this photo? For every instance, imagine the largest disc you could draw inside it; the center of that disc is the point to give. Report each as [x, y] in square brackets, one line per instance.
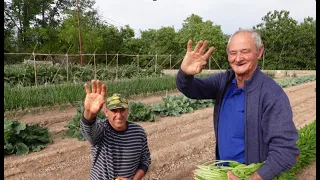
[284, 39]
[196, 29]
[9, 31]
[305, 51]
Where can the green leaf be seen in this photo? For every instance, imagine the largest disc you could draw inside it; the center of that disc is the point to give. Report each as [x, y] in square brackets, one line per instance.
[20, 137]
[8, 148]
[21, 149]
[37, 148]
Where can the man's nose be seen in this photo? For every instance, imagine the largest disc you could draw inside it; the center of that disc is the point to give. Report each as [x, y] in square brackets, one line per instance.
[239, 56]
[117, 114]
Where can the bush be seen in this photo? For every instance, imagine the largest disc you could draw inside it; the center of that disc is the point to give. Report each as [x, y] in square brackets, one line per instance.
[21, 138]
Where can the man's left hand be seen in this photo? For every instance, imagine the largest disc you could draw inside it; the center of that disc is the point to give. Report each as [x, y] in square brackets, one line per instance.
[122, 178]
[255, 176]
[231, 176]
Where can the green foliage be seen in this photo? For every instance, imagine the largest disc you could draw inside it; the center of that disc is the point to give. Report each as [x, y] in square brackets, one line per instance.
[213, 170]
[21, 138]
[196, 29]
[245, 171]
[34, 22]
[295, 81]
[140, 112]
[73, 125]
[288, 45]
[177, 105]
[24, 74]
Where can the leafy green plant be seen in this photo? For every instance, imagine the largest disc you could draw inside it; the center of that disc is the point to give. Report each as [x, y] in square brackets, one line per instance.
[172, 106]
[295, 81]
[140, 112]
[21, 138]
[73, 125]
[177, 105]
[201, 104]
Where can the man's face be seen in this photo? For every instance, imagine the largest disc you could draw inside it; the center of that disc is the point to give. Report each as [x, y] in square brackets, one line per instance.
[242, 53]
[118, 118]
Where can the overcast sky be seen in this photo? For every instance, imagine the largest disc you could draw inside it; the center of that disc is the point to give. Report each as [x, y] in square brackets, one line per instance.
[229, 14]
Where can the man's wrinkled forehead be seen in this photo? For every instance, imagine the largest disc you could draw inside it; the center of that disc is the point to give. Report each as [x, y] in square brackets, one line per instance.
[242, 40]
[244, 36]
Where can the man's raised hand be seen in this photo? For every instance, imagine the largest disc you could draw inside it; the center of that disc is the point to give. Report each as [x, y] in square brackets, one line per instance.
[194, 61]
[94, 99]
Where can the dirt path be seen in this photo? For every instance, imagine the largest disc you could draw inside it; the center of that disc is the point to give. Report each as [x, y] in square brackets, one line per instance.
[308, 173]
[177, 144]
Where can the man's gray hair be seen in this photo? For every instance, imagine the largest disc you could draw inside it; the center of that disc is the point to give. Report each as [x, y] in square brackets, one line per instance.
[255, 36]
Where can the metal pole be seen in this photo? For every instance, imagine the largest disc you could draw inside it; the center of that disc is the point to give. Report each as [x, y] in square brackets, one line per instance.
[35, 69]
[138, 62]
[170, 61]
[67, 68]
[95, 68]
[263, 60]
[155, 63]
[117, 67]
[106, 59]
[80, 42]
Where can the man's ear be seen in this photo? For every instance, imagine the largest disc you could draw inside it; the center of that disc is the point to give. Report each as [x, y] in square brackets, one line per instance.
[104, 109]
[261, 51]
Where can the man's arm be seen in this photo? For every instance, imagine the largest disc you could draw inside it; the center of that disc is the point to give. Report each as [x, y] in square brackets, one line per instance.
[198, 88]
[92, 130]
[281, 134]
[193, 63]
[139, 175]
[256, 176]
[145, 160]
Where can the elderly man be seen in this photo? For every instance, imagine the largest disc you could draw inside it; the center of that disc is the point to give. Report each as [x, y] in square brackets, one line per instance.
[119, 148]
[252, 114]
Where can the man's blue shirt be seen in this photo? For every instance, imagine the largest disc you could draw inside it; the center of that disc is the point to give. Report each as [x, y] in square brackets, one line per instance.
[231, 124]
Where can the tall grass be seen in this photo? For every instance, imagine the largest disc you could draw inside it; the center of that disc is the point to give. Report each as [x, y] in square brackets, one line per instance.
[27, 97]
